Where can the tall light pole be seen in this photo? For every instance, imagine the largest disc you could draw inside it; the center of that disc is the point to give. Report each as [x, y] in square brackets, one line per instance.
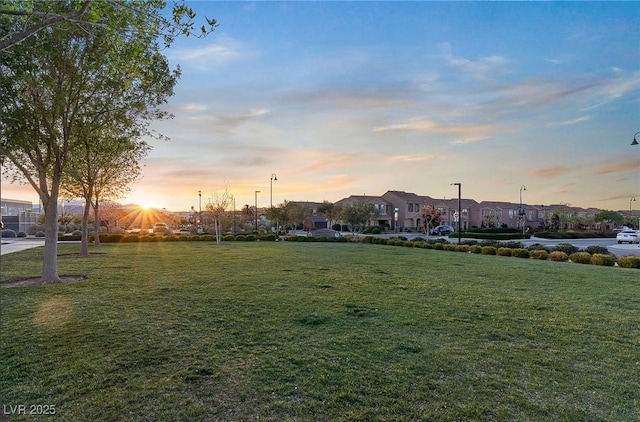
[459, 209]
[521, 211]
[256, 205]
[199, 210]
[273, 177]
[635, 142]
[630, 201]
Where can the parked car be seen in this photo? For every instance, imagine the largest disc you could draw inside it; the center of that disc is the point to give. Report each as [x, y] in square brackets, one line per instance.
[442, 230]
[631, 236]
[324, 233]
[161, 228]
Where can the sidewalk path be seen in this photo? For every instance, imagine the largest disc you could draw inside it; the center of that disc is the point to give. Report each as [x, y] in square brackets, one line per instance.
[10, 244]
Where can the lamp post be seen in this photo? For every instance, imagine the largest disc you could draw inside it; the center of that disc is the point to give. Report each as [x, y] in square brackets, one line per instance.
[635, 142]
[521, 211]
[273, 177]
[199, 209]
[459, 209]
[256, 205]
[630, 201]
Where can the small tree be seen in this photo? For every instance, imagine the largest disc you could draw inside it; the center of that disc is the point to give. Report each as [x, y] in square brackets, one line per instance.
[217, 207]
[431, 217]
[356, 215]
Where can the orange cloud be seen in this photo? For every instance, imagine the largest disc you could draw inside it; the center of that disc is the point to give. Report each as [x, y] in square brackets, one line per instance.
[550, 172]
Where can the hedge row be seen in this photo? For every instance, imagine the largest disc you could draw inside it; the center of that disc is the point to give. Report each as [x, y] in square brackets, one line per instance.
[594, 255]
[133, 238]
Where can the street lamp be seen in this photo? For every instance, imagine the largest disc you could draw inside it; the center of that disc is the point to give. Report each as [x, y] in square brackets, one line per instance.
[630, 201]
[523, 187]
[273, 177]
[256, 205]
[199, 209]
[459, 209]
[635, 142]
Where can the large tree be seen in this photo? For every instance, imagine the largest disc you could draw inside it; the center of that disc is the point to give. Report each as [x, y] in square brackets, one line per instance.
[57, 85]
[21, 19]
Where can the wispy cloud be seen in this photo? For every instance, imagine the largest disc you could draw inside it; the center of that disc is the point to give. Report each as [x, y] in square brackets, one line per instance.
[550, 172]
[617, 167]
[222, 51]
[460, 134]
[570, 122]
[416, 158]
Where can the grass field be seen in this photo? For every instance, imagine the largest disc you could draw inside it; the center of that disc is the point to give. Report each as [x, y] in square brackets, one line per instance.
[319, 331]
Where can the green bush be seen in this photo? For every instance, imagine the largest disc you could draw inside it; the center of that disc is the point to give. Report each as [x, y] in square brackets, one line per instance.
[603, 259]
[475, 249]
[228, 238]
[268, 237]
[250, 238]
[581, 257]
[597, 250]
[567, 248]
[9, 233]
[629, 261]
[129, 238]
[39, 234]
[558, 256]
[520, 253]
[504, 252]
[439, 246]
[537, 247]
[461, 248]
[243, 237]
[147, 238]
[539, 254]
[488, 250]
[376, 230]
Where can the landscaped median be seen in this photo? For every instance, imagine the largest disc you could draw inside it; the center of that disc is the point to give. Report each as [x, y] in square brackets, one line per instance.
[564, 252]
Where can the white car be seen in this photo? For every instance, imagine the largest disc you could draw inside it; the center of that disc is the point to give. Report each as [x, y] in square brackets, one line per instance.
[630, 236]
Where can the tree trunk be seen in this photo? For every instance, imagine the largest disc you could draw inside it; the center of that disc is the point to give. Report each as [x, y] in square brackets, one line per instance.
[84, 244]
[50, 261]
[96, 224]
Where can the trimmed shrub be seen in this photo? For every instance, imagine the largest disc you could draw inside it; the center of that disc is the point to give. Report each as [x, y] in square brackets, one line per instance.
[567, 248]
[228, 238]
[8, 233]
[147, 238]
[539, 254]
[558, 256]
[520, 253]
[580, 257]
[243, 237]
[504, 252]
[439, 246]
[39, 234]
[76, 233]
[250, 238]
[22, 234]
[184, 238]
[488, 250]
[629, 261]
[461, 248]
[475, 249]
[129, 238]
[603, 259]
[597, 250]
[268, 237]
[376, 230]
[538, 247]
[207, 237]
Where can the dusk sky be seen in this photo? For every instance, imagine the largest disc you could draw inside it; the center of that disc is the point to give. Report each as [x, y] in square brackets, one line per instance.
[342, 98]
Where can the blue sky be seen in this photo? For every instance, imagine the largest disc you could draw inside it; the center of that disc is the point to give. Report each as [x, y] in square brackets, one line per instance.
[341, 98]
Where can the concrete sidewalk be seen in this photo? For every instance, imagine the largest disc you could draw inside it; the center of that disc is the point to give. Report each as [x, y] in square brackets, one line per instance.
[10, 245]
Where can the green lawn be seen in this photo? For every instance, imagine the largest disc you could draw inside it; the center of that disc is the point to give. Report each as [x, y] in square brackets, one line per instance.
[319, 331]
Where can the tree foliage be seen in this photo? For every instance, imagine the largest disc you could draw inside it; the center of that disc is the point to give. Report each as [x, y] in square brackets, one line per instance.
[356, 215]
[67, 94]
[21, 19]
